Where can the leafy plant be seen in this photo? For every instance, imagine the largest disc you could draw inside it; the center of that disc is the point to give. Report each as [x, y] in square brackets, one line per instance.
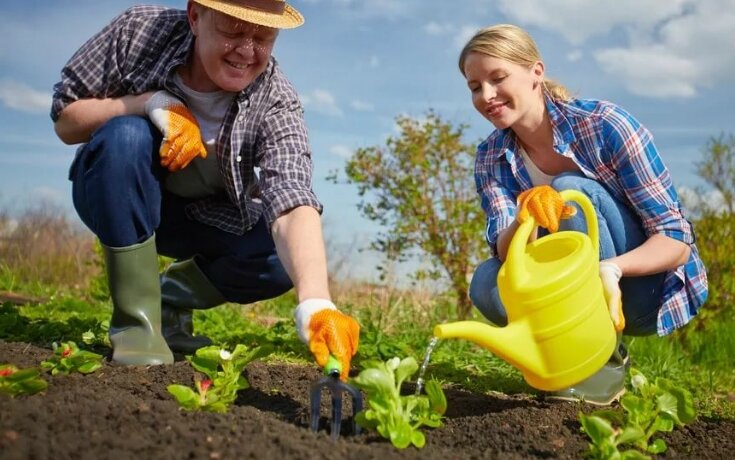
[397, 417]
[224, 377]
[98, 335]
[68, 358]
[15, 382]
[650, 408]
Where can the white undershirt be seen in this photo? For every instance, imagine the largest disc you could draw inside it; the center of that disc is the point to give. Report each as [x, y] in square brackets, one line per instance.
[537, 176]
[202, 177]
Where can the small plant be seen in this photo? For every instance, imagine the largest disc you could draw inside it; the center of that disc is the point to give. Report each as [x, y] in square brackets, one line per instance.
[650, 408]
[223, 380]
[98, 335]
[68, 358]
[397, 417]
[16, 382]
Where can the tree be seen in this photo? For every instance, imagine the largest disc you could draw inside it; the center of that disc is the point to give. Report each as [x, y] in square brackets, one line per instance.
[420, 188]
[718, 167]
[715, 230]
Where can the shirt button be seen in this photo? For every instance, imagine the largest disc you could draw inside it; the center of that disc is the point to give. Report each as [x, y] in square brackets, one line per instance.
[241, 118]
[239, 158]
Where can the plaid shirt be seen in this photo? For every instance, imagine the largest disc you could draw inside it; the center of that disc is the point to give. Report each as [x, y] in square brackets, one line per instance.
[611, 147]
[263, 128]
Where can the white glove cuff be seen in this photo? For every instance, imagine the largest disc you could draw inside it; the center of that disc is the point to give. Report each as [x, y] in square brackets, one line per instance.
[160, 100]
[611, 268]
[303, 314]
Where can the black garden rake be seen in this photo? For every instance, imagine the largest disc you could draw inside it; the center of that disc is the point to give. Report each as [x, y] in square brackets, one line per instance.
[336, 387]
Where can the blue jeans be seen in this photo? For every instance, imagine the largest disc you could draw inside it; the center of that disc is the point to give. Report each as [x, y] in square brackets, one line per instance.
[117, 192]
[620, 231]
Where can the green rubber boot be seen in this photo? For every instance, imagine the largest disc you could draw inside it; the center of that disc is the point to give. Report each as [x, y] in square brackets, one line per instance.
[605, 386]
[135, 328]
[185, 287]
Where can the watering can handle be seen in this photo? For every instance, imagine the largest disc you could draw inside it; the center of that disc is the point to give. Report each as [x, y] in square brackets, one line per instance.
[520, 239]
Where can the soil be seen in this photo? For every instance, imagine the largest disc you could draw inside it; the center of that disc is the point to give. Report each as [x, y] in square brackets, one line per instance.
[125, 412]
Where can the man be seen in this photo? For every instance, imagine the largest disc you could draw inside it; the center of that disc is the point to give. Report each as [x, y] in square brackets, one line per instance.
[196, 148]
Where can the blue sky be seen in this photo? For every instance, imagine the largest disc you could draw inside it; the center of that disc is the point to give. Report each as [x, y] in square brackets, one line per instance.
[359, 63]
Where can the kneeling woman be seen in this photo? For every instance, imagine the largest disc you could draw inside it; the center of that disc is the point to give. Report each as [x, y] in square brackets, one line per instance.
[546, 141]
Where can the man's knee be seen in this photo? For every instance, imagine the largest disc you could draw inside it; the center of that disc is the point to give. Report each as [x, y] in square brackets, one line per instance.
[121, 144]
[246, 279]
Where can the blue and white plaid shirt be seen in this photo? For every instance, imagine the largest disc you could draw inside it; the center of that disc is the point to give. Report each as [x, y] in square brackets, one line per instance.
[264, 128]
[613, 148]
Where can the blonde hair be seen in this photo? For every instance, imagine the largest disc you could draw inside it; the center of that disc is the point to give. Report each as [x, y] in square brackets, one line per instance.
[512, 44]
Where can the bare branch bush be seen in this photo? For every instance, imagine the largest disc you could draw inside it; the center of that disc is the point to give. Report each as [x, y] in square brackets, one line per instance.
[43, 245]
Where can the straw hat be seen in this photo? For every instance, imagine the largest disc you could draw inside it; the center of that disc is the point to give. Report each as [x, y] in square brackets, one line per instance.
[270, 13]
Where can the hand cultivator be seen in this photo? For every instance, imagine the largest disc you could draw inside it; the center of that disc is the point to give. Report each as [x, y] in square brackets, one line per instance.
[331, 382]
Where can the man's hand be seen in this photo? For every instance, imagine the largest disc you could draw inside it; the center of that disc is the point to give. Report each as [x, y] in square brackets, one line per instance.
[327, 332]
[610, 274]
[545, 205]
[182, 140]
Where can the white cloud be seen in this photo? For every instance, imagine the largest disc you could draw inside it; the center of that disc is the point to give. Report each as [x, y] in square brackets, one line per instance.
[574, 56]
[465, 33]
[691, 51]
[434, 28]
[577, 20]
[362, 106]
[651, 71]
[674, 48]
[321, 101]
[341, 151]
[21, 97]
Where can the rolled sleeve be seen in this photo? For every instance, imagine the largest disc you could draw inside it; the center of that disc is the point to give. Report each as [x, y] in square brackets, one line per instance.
[644, 178]
[285, 162]
[497, 201]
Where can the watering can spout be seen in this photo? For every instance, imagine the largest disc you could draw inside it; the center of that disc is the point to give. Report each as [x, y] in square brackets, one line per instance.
[513, 343]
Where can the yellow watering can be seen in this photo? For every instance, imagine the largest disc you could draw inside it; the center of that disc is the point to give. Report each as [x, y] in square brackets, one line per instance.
[559, 330]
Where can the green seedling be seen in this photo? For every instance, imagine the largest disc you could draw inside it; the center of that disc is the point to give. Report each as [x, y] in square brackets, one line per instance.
[16, 382]
[223, 371]
[69, 358]
[395, 417]
[650, 408]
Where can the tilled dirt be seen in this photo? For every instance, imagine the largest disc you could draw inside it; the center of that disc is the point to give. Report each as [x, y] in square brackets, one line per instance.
[125, 412]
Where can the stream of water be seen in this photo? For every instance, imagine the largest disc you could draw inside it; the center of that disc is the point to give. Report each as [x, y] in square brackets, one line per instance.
[422, 369]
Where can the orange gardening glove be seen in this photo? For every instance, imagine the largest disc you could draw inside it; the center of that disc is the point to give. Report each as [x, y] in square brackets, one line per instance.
[545, 205]
[182, 140]
[328, 332]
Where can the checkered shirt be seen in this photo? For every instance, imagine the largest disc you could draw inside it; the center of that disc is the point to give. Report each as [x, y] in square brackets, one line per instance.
[264, 127]
[613, 148]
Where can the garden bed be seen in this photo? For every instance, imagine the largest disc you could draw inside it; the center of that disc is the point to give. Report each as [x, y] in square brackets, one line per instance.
[125, 412]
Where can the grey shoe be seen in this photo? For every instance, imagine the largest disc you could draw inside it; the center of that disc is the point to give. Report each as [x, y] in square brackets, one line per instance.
[602, 388]
[185, 287]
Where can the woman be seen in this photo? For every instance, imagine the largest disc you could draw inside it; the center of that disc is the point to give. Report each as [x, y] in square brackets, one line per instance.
[546, 141]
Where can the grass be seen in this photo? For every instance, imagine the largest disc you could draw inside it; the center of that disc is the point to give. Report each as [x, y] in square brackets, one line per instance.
[701, 363]
[61, 272]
